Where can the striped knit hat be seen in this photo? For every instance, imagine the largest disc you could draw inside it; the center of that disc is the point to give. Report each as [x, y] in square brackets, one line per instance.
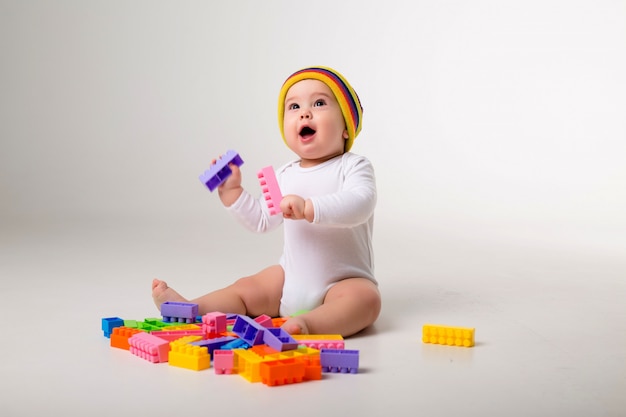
[344, 93]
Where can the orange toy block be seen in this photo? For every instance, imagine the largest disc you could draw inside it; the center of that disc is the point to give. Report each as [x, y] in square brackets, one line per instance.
[120, 336]
[282, 371]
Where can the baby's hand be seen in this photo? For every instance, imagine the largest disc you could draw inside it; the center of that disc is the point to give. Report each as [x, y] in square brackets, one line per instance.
[230, 190]
[296, 208]
[233, 180]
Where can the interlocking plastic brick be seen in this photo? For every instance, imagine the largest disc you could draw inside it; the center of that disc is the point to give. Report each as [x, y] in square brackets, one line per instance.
[120, 336]
[248, 330]
[277, 338]
[188, 356]
[149, 347]
[109, 323]
[448, 335]
[173, 311]
[339, 361]
[215, 343]
[172, 335]
[270, 189]
[248, 364]
[264, 320]
[214, 323]
[235, 344]
[321, 341]
[282, 371]
[220, 171]
[308, 356]
[224, 362]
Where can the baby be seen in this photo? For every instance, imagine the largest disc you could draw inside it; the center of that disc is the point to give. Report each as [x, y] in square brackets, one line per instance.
[327, 265]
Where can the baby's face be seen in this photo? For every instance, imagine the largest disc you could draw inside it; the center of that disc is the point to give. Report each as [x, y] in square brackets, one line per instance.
[313, 124]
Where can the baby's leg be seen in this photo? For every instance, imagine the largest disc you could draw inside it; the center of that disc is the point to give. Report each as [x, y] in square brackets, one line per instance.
[253, 295]
[350, 306]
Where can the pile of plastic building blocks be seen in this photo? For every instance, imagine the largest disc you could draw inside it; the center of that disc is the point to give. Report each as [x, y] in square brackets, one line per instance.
[257, 349]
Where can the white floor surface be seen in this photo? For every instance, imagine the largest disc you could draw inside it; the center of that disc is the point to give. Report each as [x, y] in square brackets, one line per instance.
[550, 327]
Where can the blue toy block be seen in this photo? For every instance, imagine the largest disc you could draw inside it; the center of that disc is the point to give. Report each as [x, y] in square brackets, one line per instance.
[218, 172]
[235, 344]
[109, 323]
[277, 338]
[249, 330]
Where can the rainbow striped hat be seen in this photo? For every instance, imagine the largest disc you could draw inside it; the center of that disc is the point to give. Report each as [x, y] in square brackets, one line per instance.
[344, 93]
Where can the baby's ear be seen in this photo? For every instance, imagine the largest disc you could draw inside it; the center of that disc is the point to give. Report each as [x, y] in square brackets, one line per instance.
[345, 134]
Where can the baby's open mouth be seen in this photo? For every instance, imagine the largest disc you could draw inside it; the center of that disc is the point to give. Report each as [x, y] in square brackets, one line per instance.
[306, 132]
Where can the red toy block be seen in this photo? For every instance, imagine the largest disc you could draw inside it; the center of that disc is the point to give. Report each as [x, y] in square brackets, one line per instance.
[271, 190]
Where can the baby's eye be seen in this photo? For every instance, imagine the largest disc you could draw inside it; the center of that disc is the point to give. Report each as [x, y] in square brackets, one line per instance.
[293, 106]
[319, 102]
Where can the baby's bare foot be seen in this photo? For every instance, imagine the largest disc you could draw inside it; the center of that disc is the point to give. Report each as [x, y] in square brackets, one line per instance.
[162, 293]
[296, 325]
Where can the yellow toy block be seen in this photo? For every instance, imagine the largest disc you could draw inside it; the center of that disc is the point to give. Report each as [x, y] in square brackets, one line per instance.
[182, 326]
[248, 364]
[191, 357]
[185, 340]
[448, 335]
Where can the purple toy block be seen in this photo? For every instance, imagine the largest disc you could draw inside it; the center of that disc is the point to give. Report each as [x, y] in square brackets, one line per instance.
[213, 344]
[271, 190]
[279, 339]
[248, 330]
[218, 172]
[179, 312]
[339, 360]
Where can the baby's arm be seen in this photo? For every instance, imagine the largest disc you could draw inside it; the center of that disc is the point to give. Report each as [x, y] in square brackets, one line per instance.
[354, 203]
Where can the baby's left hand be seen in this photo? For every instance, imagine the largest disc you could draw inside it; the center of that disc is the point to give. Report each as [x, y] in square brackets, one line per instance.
[296, 208]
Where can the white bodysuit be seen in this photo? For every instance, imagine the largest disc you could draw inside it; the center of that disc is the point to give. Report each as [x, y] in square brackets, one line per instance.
[337, 244]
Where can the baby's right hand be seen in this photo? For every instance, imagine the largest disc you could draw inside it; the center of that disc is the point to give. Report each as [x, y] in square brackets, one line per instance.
[230, 190]
[233, 180]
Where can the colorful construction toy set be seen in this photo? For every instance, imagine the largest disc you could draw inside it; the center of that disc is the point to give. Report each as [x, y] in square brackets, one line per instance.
[257, 349]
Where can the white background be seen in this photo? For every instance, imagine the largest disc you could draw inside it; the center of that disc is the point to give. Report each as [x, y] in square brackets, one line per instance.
[497, 130]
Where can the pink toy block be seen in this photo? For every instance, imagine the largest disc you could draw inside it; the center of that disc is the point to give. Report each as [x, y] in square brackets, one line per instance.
[224, 362]
[171, 335]
[322, 344]
[271, 190]
[149, 347]
[214, 323]
[264, 320]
